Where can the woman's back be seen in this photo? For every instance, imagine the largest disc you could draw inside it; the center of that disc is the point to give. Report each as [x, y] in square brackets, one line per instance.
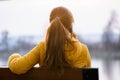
[59, 49]
[77, 57]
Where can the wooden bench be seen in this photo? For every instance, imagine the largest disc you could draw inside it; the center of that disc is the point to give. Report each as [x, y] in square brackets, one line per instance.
[43, 74]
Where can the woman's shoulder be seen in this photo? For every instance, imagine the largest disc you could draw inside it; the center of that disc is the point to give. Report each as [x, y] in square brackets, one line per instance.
[41, 45]
[79, 43]
[84, 46]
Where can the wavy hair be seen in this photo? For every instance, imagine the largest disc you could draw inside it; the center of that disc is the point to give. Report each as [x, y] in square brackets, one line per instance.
[58, 34]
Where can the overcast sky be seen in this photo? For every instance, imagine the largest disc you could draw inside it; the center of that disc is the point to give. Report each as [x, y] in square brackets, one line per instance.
[31, 17]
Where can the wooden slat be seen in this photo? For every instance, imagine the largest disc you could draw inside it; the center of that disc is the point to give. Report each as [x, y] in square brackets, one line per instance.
[44, 74]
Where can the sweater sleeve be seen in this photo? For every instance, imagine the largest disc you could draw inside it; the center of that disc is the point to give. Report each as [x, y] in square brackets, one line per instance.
[21, 64]
[88, 57]
[84, 59]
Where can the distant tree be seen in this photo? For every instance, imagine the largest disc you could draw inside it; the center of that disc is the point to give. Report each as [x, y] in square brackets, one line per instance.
[5, 40]
[108, 34]
[116, 26]
[119, 40]
[23, 46]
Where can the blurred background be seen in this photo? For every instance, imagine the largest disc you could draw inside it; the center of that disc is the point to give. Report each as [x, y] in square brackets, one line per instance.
[23, 24]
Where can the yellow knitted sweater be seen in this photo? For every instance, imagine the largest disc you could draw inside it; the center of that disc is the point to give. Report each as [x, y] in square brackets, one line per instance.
[78, 57]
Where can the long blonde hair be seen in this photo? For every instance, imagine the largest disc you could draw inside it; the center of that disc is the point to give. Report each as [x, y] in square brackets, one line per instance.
[58, 33]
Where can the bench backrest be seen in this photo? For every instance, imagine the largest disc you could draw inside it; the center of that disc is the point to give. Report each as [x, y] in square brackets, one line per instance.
[43, 74]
